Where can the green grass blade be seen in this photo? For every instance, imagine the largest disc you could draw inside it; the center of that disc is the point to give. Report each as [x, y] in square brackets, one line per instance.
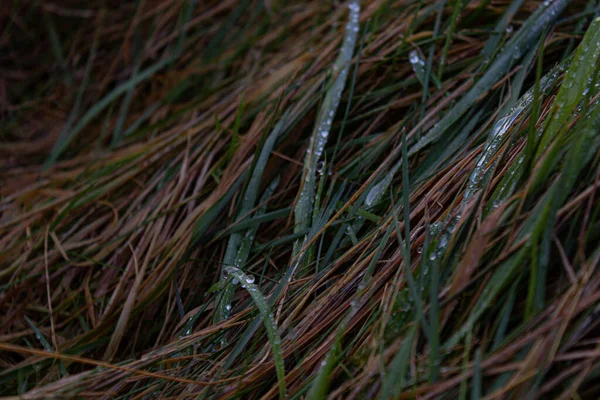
[269, 322]
[395, 378]
[575, 84]
[304, 207]
[514, 49]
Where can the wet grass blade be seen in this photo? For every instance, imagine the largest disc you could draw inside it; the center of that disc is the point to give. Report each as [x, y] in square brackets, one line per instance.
[269, 322]
[304, 206]
[532, 29]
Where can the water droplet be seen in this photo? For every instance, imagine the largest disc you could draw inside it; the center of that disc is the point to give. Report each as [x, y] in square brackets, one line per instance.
[250, 279]
[320, 166]
[413, 57]
[516, 52]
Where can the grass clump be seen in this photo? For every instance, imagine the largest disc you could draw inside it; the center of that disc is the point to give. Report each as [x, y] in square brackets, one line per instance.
[407, 190]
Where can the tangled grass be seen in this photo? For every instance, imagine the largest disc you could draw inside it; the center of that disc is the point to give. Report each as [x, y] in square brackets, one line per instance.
[262, 199]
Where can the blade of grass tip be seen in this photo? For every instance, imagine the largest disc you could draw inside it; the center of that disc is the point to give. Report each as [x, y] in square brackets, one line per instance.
[44, 342]
[304, 207]
[418, 16]
[269, 322]
[527, 35]
[395, 378]
[418, 66]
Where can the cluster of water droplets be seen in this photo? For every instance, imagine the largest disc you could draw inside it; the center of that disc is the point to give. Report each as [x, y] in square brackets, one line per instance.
[247, 282]
[440, 238]
[495, 139]
[417, 63]
[239, 278]
[247, 279]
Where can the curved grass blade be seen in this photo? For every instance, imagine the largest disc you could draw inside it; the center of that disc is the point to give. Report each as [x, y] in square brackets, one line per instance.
[269, 322]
